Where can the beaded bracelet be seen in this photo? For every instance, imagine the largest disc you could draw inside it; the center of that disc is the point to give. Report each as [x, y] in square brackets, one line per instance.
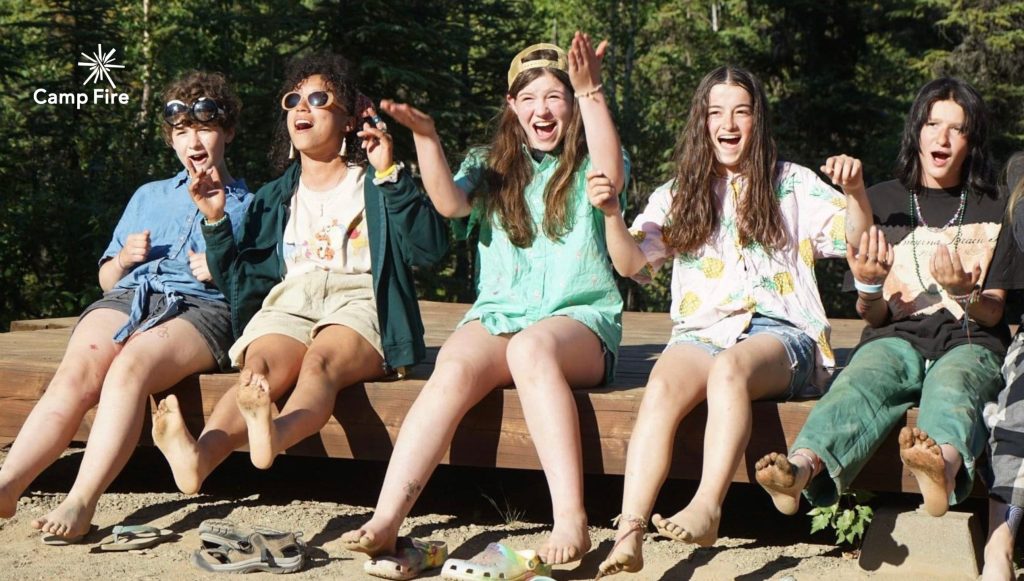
[867, 288]
[210, 224]
[590, 93]
[967, 298]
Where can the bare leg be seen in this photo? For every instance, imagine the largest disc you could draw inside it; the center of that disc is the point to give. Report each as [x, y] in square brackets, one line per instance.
[1002, 532]
[731, 388]
[785, 477]
[74, 389]
[677, 384]
[547, 361]
[275, 359]
[470, 365]
[150, 362]
[339, 357]
[933, 465]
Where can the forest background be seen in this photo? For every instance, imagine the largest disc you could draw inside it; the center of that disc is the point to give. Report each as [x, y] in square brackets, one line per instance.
[840, 74]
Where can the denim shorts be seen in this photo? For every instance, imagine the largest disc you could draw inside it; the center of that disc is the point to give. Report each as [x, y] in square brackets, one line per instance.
[800, 348]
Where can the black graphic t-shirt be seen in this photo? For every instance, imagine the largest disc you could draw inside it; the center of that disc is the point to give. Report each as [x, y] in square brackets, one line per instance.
[921, 312]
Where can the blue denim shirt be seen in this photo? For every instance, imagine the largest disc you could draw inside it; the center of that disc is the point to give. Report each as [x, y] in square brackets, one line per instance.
[167, 211]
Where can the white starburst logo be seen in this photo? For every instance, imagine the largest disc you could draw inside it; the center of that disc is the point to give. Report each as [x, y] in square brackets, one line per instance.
[100, 64]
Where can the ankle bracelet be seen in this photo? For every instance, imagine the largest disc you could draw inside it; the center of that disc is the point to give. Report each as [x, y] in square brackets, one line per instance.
[814, 463]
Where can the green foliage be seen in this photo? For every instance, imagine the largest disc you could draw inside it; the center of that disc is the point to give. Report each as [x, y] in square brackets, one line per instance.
[848, 518]
[840, 76]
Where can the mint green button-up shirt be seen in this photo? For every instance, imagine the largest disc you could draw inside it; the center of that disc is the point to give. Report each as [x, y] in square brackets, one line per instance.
[571, 277]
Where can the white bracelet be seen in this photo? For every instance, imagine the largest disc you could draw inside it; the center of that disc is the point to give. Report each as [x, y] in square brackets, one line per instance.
[210, 224]
[867, 288]
[590, 93]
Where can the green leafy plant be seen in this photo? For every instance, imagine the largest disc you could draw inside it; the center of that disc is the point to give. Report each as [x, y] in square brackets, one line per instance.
[848, 517]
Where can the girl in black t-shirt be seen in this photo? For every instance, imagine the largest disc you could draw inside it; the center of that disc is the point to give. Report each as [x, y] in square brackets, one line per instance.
[936, 337]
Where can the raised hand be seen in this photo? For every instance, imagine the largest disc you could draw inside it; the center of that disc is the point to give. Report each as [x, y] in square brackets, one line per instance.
[949, 272]
[207, 191]
[871, 261]
[197, 262]
[845, 172]
[417, 121]
[378, 144]
[135, 250]
[601, 193]
[585, 63]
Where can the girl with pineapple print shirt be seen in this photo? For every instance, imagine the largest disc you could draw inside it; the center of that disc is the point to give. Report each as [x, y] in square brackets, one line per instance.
[743, 230]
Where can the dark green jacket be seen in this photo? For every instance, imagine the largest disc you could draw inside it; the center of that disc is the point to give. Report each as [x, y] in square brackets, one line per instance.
[404, 231]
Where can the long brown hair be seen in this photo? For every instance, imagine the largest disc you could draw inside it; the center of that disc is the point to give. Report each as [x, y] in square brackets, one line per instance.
[509, 169]
[694, 214]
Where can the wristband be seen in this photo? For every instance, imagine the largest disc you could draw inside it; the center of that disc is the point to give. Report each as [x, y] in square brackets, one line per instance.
[867, 288]
[383, 174]
[967, 298]
[388, 176]
[120, 265]
[590, 93]
[210, 224]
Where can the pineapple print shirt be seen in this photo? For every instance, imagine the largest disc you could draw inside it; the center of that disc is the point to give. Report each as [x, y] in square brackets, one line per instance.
[717, 289]
[570, 277]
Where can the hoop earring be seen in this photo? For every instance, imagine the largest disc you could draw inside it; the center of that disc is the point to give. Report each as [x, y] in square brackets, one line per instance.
[344, 147]
[291, 151]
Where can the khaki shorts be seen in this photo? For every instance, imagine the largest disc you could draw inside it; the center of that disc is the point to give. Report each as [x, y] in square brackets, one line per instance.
[300, 306]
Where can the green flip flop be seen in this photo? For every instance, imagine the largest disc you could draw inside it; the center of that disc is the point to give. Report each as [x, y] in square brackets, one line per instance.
[135, 537]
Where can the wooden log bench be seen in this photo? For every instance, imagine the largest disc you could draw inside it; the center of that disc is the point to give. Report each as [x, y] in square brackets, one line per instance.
[367, 417]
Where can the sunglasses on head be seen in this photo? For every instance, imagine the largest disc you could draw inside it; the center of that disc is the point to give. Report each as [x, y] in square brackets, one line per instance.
[317, 99]
[202, 110]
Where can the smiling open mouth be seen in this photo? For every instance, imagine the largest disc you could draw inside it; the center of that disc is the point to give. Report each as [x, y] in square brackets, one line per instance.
[302, 124]
[729, 140]
[198, 158]
[545, 130]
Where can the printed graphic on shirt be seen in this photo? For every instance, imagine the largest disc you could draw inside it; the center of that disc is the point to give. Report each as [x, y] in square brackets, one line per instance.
[910, 287]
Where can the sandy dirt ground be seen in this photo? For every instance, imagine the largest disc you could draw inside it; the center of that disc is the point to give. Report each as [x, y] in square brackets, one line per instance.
[323, 498]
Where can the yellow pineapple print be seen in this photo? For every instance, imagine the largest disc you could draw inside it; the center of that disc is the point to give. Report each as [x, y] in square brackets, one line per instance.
[826, 349]
[689, 304]
[807, 252]
[749, 304]
[783, 283]
[838, 232]
[712, 267]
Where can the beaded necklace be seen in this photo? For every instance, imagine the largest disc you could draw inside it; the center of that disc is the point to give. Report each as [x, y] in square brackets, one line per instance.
[915, 216]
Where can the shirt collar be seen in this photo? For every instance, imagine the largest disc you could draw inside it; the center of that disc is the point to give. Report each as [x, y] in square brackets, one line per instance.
[545, 162]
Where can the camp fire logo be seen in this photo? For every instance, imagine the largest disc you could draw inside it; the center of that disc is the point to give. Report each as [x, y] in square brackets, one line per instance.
[100, 63]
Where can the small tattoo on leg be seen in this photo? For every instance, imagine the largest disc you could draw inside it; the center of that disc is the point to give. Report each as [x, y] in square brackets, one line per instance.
[162, 332]
[412, 489]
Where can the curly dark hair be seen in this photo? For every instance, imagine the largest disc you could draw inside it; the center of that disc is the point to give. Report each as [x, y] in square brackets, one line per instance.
[195, 84]
[340, 77]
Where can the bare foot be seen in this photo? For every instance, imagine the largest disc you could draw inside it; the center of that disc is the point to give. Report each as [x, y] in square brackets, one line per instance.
[696, 524]
[627, 553]
[371, 538]
[924, 459]
[569, 541]
[70, 519]
[253, 401]
[172, 437]
[784, 480]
